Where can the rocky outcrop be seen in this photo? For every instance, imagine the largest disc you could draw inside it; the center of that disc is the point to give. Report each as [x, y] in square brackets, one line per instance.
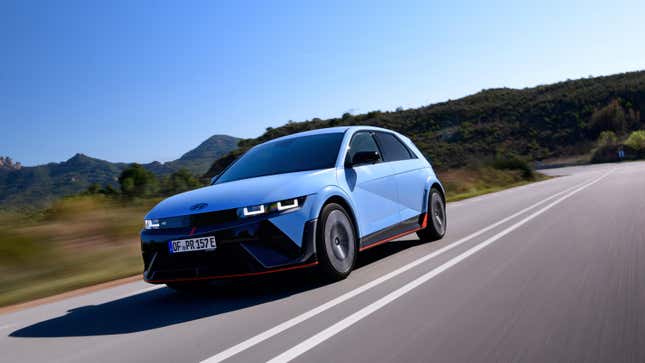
[7, 164]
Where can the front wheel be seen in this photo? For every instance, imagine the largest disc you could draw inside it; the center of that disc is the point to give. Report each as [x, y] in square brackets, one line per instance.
[336, 242]
[436, 218]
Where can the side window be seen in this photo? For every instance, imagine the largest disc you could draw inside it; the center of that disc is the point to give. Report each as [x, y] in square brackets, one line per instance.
[362, 141]
[392, 148]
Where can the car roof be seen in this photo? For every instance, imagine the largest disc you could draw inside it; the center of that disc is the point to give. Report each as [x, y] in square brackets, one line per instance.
[329, 130]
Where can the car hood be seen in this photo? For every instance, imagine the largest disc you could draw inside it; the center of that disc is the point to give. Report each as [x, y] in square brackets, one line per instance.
[244, 193]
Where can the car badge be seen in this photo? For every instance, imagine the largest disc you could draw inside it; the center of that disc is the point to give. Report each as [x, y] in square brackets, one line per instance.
[198, 206]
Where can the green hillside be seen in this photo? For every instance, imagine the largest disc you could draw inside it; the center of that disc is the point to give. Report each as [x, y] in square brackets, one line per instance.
[36, 186]
[536, 123]
[33, 187]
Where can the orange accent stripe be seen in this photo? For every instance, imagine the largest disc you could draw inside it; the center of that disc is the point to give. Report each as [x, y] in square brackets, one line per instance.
[296, 267]
[390, 239]
[424, 224]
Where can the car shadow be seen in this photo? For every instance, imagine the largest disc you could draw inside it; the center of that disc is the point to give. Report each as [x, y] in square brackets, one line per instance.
[164, 307]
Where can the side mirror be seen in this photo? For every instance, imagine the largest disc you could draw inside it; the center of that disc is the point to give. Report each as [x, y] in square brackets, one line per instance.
[365, 157]
[214, 179]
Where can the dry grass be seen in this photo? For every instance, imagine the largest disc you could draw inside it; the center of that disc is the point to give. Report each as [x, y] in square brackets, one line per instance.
[581, 159]
[78, 242]
[470, 182]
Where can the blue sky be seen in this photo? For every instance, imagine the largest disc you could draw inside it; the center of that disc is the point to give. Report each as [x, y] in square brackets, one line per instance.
[149, 80]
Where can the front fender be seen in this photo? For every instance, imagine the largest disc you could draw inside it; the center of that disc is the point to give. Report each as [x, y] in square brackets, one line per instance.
[322, 196]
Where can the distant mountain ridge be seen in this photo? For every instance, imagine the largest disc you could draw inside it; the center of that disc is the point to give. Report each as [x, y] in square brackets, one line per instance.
[37, 185]
[199, 159]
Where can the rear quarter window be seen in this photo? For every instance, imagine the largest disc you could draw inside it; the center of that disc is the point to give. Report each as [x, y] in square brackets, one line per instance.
[392, 148]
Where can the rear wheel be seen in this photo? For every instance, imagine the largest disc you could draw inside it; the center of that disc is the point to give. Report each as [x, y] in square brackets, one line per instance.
[436, 218]
[336, 242]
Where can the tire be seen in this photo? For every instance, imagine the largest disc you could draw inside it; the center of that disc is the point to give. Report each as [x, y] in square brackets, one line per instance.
[336, 242]
[437, 220]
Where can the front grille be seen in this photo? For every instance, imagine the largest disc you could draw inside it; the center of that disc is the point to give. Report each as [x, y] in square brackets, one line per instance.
[262, 240]
[213, 218]
[227, 259]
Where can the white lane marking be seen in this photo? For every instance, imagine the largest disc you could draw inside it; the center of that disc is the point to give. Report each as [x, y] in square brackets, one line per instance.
[244, 345]
[316, 339]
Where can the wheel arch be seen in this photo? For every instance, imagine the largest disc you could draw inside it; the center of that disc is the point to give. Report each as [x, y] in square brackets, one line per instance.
[441, 190]
[433, 182]
[334, 195]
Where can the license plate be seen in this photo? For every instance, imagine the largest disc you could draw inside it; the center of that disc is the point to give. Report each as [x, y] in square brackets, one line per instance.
[192, 244]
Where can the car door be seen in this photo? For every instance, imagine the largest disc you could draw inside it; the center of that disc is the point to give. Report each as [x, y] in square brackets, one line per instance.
[371, 186]
[410, 174]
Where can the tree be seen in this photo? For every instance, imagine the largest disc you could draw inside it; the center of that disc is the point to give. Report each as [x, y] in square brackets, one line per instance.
[610, 117]
[106, 190]
[94, 188]
[109, 191]
[180, 181]
[136, 181]
[373, 114]
[636, 140]
[607, 138]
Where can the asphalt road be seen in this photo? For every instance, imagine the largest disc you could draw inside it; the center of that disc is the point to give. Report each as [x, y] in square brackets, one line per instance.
[549, 272]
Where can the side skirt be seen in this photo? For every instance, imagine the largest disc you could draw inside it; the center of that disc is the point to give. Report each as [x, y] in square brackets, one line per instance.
[398, 230]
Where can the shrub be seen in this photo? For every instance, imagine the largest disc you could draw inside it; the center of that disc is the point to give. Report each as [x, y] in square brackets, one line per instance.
[636, 140]
[514, 163]
[609, 153]
[180, 181]
[136, 181]
[610, 117]
[607, 138]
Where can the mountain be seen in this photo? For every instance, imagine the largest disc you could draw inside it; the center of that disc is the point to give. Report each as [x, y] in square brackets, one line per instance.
[536, 123]
[200, 158]
[37, 185]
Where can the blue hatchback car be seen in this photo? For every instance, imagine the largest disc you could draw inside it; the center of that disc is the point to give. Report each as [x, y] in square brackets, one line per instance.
[313, 198]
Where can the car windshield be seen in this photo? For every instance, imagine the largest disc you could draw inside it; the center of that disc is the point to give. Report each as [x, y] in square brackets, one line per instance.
[286, 156]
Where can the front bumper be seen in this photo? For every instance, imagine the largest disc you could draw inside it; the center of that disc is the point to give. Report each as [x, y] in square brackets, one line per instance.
[244, 248]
